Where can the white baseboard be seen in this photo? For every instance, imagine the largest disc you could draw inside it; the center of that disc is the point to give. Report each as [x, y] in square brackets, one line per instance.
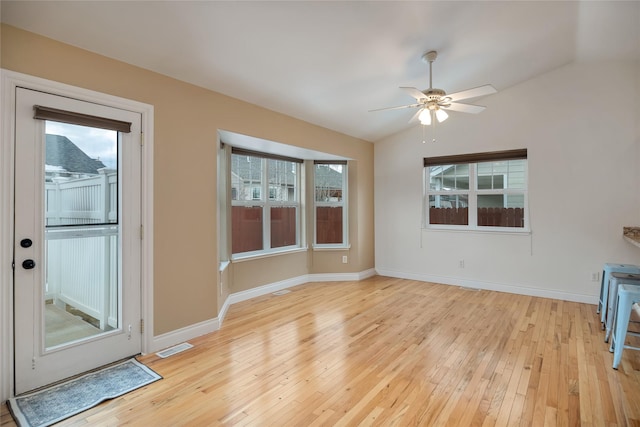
[223, 312]
[490, 286]
[366, 274]
[341, 277]
[187, 333]
[296, 281]
[267, 289]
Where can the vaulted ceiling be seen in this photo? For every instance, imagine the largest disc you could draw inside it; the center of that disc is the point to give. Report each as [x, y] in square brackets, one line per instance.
[329, 62]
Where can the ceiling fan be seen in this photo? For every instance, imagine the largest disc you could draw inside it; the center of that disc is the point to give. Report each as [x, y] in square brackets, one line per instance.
[432, 102]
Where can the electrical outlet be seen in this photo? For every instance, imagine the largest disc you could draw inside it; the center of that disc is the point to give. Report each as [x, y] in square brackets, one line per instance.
[344, 259]
[595, 277]
[461, 263]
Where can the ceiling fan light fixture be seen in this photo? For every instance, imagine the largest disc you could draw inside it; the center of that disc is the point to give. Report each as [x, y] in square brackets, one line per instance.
[425, 117]
[441, 115]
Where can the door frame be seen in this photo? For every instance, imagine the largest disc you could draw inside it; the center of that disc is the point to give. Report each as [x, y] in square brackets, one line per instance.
[11, 80]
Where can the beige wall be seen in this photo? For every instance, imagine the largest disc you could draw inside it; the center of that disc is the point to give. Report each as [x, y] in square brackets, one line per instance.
[186, 121]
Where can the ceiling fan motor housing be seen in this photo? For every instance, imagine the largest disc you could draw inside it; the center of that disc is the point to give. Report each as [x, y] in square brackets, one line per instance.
[434, 94]
[435, 98]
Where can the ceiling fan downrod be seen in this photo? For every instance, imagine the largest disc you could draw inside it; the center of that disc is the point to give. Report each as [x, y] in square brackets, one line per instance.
[429, 57]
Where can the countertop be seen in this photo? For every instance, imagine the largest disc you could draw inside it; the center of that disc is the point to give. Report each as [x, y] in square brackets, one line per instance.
[631, 235]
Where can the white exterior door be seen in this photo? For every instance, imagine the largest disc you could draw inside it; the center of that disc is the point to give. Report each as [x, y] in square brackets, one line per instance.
[77, 237]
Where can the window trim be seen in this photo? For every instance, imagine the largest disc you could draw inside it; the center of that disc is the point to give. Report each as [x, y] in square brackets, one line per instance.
[344, 203]
[473, 192]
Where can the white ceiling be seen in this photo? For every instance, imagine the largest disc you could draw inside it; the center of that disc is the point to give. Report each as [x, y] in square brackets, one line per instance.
[329, 62]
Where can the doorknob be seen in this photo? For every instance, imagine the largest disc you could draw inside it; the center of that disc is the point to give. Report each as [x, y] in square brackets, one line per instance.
[28, 264]
[26, 243]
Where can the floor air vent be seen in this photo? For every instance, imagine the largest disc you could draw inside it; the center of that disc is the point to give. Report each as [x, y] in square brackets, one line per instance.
[282, 292]
[173, 350]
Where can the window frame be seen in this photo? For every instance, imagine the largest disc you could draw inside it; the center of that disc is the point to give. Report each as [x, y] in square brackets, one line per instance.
[266, 204]
[473, 192]
[343, 203]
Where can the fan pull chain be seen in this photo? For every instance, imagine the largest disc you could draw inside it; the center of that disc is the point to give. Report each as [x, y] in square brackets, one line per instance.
[435, 126]
[424, 131]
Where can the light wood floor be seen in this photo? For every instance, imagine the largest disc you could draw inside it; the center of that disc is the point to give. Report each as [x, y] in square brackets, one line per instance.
[389, 352]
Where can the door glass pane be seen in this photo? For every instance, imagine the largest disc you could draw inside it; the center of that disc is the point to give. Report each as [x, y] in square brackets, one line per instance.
[82, 232]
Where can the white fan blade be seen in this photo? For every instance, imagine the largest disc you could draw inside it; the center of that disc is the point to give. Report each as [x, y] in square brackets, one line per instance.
[397, 108]
[472, 93]
[464, 108]
[414, 92]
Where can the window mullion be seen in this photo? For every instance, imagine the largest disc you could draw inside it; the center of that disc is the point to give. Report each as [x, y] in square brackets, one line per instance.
[473, 196]
[300, 229]
[266, 206]
[345, 214]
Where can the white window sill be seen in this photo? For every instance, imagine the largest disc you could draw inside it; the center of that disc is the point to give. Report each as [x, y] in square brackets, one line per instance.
[480, 230]
[331, 247]
[251, 256]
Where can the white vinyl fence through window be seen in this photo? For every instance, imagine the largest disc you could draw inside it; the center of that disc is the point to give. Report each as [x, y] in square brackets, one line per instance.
[82, 245]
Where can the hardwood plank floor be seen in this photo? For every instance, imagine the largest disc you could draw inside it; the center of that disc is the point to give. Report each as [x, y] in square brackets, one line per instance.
[387, 351]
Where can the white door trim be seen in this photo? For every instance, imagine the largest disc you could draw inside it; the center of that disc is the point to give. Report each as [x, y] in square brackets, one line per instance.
[11, 80]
